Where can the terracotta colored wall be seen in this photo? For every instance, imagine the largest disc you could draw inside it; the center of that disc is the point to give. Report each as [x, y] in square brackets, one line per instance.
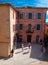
[33, 22]
[4, 49]
[4, 24]
[4, 31]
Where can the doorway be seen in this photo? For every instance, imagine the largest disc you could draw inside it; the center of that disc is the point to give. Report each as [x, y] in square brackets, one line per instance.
[37, 39]
[28, 38]
[19, 41]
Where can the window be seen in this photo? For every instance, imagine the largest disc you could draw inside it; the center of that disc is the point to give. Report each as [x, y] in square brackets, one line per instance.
[19, 39]
[39, 15]
[37, 39]
[21, 15]
[19, 27]
[29, 27]
[38, 27]
[30, 15]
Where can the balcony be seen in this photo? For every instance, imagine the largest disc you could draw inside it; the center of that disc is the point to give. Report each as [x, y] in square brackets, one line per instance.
[29, 31]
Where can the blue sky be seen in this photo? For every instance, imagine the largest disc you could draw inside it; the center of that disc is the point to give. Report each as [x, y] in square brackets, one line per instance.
[32, 3]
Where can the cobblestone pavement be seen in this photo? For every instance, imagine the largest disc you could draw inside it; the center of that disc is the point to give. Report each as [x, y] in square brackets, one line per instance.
[27, 57]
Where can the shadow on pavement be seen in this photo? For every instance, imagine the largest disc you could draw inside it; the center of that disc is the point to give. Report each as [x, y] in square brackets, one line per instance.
[25, 52]
[21, 51]
[18, 52]
[36, 53]
[5, 58]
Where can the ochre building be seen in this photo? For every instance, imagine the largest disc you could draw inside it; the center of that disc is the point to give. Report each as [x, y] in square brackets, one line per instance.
[20, 25]
[7, 31]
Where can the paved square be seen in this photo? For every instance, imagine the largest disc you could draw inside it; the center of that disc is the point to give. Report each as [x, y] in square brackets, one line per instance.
[27, 57]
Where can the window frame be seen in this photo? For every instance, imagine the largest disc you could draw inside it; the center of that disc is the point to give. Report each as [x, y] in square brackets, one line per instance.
[19, 26]
[30, 15]
[29, 27]
[39, 15]
[37, 28]
[21, 15]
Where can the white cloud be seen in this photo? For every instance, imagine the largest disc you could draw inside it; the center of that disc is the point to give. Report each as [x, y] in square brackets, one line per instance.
[47, 12]
[42, 3]
[46, 20]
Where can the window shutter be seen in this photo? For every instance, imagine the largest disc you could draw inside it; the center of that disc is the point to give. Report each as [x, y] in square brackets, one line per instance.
[35, 27]
[32, 15]
[42, 16]
[18, 27]
[26, 15]
[23, 15]
[36, 15]
[41, 27]
[23, 26]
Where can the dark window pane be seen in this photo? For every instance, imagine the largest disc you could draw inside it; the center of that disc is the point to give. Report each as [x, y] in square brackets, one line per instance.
[21, 15]
[21, 26]
[37, 39]
[17, 27]
[38, 27]
[29, 27]
[39, 16]
[30, 15]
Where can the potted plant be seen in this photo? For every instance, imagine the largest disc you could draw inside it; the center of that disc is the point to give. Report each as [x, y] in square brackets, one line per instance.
[12, 51]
